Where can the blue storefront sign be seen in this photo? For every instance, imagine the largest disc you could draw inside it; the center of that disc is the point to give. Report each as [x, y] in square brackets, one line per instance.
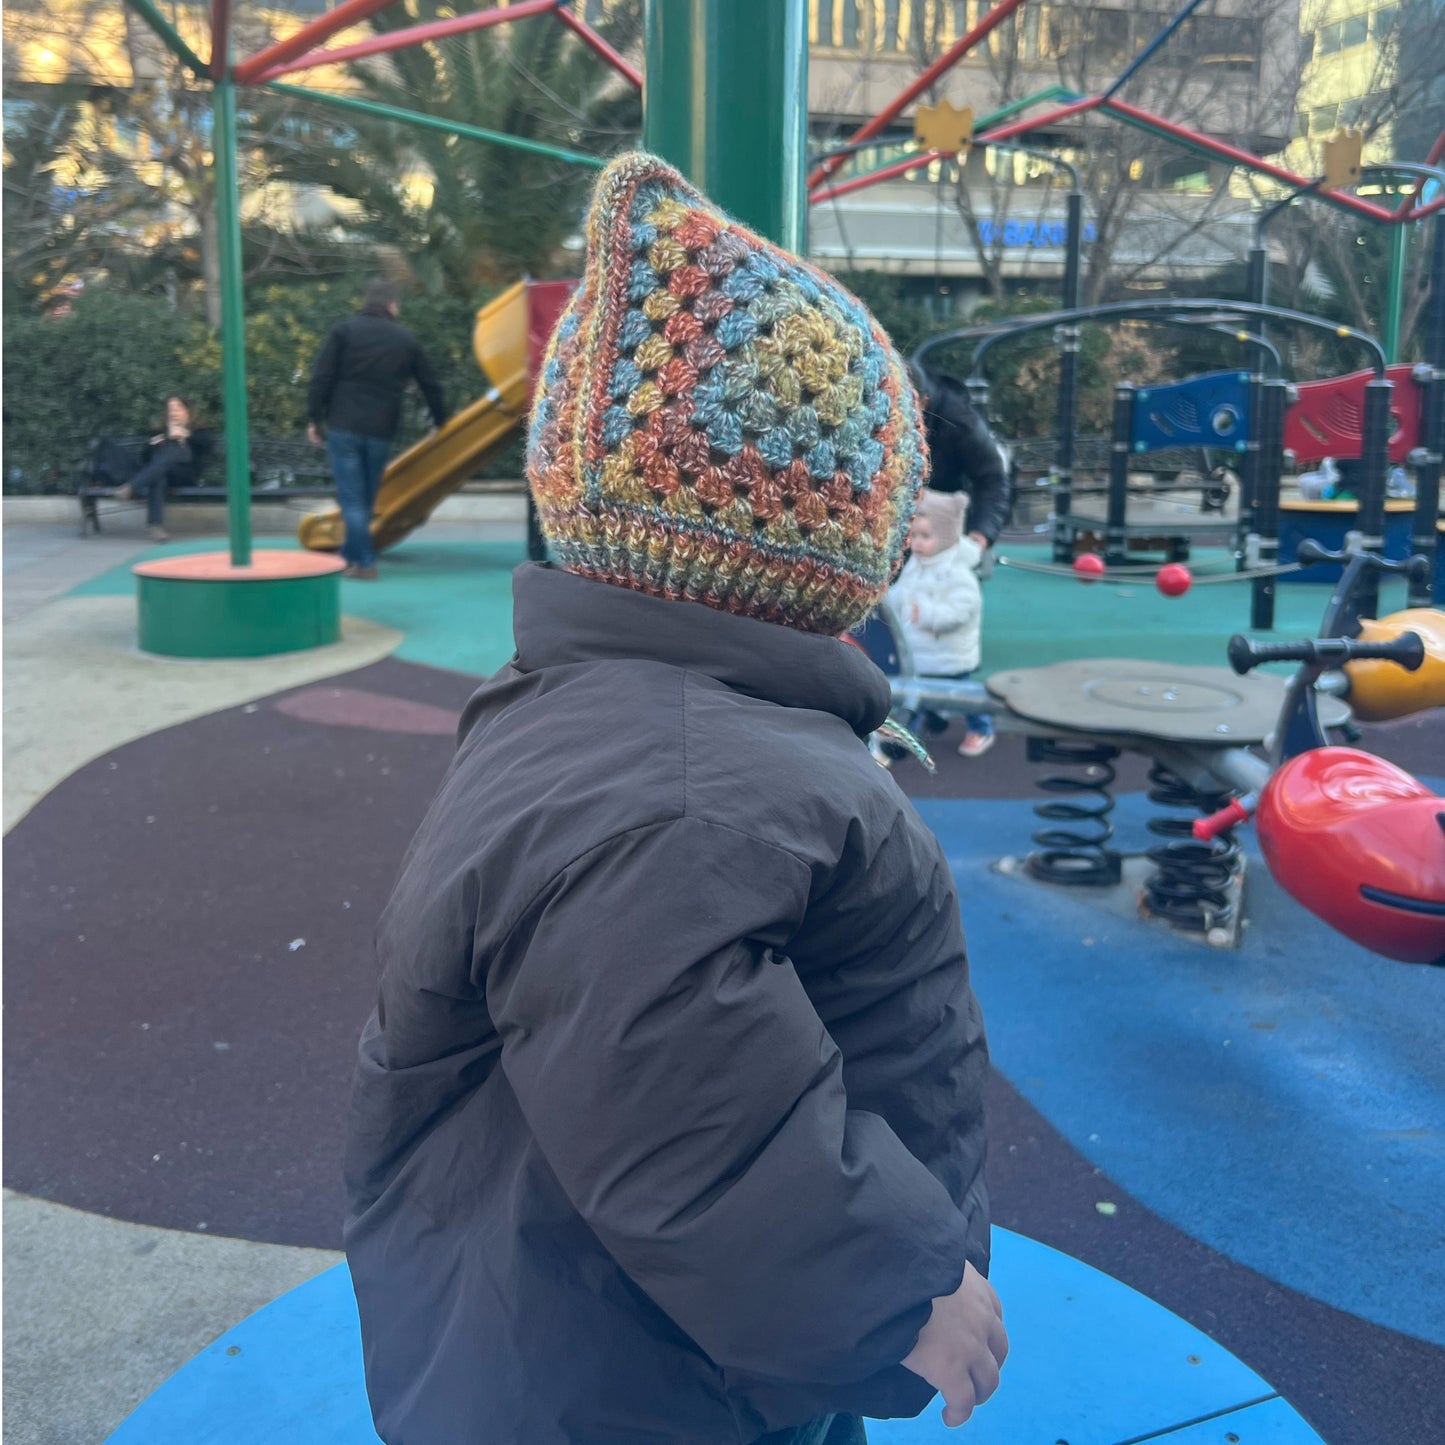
[1029, 233]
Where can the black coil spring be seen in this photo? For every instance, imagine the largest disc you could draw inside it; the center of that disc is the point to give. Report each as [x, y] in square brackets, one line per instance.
[1190, 883]
[1075, 851]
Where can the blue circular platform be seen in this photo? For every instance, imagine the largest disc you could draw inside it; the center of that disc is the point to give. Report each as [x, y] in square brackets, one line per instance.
[1092, 1362]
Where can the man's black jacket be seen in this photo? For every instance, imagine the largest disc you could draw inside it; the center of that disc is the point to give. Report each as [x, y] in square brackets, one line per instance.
[361, 372]
[966, 456]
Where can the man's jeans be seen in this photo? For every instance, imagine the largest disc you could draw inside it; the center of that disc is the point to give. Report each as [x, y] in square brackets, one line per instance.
[830, 1430]
[357, 464]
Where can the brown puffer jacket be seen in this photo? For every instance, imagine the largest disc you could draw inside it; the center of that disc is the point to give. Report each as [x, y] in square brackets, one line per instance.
[669, 1123]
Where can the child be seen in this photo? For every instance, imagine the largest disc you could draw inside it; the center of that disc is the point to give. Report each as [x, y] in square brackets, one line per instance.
[669, 1122]
[939, 605]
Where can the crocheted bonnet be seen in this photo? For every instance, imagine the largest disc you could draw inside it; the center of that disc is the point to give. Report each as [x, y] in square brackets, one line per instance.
[719, 422]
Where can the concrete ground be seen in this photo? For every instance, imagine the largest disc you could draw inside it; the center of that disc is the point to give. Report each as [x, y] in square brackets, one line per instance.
[97, 1312]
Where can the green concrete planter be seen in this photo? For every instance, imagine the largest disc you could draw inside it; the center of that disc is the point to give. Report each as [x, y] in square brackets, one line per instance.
[202, 606]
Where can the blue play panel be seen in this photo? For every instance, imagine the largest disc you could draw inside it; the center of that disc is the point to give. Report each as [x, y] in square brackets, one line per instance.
[1092, 1362]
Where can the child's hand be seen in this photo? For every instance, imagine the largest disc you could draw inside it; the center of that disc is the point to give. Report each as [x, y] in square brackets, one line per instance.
[962, 1347]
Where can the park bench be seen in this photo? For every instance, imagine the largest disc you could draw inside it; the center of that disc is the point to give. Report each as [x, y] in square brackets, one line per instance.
[283, 470]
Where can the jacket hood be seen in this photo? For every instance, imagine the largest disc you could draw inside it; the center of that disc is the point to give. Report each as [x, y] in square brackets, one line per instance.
[561, 618]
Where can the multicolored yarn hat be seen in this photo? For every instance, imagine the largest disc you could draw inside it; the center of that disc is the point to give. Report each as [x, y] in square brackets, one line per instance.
[719, 422]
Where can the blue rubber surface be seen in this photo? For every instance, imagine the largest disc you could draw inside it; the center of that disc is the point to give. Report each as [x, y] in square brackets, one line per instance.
[1283, 1103]
[1092, 1362]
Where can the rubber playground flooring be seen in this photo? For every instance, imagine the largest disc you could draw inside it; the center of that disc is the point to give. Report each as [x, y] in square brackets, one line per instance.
[1250, 1139]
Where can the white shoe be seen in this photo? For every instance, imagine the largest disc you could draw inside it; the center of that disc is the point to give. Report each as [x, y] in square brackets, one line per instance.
[975, 745]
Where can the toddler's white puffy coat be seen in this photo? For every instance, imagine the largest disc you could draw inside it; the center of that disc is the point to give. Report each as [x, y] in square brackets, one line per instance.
[946, 634]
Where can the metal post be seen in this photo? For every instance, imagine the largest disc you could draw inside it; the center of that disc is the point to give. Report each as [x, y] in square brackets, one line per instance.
[1116, 539]
[1274, 401]
[726, 102]
[1374, 461]
[1424, 528]
[1068, 382]
[1256, 289]
[233, 326]
[1251, 475]
[1394, 297]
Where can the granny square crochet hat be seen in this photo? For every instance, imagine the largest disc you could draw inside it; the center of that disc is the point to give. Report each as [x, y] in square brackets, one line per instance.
[719, 422]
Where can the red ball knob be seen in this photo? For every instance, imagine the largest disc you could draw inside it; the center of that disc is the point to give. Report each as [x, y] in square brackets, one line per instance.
[1088, 566]
[1174, 579]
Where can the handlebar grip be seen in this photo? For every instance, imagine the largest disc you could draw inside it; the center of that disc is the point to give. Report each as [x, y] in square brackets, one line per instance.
[1407, 650]
[1310, 552]
[1234, 812]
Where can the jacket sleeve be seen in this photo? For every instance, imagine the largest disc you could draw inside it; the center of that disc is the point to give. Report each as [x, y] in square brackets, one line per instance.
[950, 603]
[690, 1102]
[323, 376]
[984, 475]
[431, 389]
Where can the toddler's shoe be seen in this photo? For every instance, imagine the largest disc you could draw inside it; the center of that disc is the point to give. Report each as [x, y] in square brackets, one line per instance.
[975, 745]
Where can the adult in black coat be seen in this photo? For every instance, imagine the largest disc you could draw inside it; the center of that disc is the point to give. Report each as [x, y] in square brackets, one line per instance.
[966, 455]
[175, 457]
[357, 383]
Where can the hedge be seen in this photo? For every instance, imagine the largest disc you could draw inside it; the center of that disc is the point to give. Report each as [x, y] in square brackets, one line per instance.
[103, 370]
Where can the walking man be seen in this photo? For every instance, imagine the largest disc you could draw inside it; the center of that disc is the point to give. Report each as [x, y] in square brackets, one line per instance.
[356, 388]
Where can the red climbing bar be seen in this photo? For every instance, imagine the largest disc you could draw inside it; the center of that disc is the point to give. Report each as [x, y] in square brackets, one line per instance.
[585, 32]
[873, 178]
[220, 37]
[905, 98]
[412, 35]
[1240, 157]
[351, 12]
[1436, 151]
[1021, 127]
[923, 158]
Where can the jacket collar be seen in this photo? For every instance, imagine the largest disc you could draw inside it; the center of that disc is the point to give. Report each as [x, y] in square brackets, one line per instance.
[560, 618]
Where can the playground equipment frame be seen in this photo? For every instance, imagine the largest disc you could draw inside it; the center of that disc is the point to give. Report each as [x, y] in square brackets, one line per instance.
[306, 50]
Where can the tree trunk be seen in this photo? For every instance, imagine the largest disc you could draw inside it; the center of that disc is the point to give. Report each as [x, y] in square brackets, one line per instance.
[210, 237]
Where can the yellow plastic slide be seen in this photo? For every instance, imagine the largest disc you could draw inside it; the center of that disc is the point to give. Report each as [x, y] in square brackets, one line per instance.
[423, 475]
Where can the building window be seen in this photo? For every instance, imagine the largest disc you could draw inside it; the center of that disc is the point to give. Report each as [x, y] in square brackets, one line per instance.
[1323, 119]
[1226, 44]
[1108, 32]
[1383, 21]
[835, 24]
[1354, 31]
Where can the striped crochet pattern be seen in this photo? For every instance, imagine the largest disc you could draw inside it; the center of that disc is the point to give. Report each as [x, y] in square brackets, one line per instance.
[719, 422]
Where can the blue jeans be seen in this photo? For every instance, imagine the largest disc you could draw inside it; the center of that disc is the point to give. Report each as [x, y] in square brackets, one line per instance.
[357, 464]
[919, 723]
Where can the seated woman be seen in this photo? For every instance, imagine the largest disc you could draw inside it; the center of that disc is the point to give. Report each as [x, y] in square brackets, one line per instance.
[175, 457]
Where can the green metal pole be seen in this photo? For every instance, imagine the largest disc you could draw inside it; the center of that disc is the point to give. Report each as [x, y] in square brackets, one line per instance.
[726, 102]
[1395, 296]
[233, 325]
[167, 35]
[435, 122]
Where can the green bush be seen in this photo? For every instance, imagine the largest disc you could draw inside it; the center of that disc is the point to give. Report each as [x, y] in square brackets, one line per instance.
[104, 369]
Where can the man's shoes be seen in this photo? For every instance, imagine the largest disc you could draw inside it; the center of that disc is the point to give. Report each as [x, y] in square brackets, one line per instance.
[360, 574]
[158, 534]
[975, 745]
[124, 493]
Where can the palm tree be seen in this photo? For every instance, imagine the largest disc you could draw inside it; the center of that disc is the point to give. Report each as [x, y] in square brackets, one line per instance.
[467, 215]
